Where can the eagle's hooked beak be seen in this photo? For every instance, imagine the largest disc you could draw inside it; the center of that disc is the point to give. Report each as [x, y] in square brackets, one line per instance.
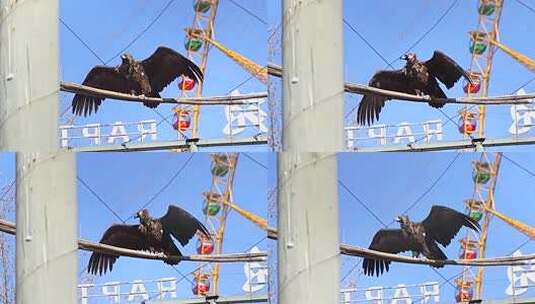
[136, 215]
[398, 219]
[123, 56]
[404, 57]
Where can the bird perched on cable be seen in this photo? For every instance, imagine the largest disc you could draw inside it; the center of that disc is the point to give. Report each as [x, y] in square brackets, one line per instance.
[416, 78]
[146, 78]
[440, 226]
[152, 234]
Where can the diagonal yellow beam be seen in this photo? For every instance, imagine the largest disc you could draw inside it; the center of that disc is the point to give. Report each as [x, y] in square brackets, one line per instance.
[261, 222]
[523, 59]
[522, 227]
[252, 67]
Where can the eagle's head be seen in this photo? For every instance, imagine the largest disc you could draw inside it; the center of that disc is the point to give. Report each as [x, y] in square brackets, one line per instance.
[127, 58]
[403, 220]
[409, 57]
[143, 215]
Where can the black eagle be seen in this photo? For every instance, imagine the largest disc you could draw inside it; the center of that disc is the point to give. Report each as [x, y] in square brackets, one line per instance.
[148, 78]
[441, 225]
[417, 78]
[152, 234]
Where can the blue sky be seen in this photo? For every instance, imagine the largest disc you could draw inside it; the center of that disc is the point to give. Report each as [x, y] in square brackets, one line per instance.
[128, 181]
[392, 28]
[7, 211]
[7, 175]
[107, 27]
[390, 183]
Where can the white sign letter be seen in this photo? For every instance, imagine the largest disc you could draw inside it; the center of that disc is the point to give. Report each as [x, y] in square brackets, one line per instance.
[84, 294]
[429, 132]
[519, 277]
[401, 295]
[255, 274]
[404, 132]
[238, 115]
[381, 135]
[378, 296]
[152, 130]
[118, 131]
[428, 293]
[170, 289]
[113, 291]
[64, 136]
[95, 135]
[138, 290]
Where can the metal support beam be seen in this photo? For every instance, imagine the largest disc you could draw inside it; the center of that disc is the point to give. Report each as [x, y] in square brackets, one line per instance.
[29, 75]
[313, 84]
[47, 231]
[477, 144]
[219, 300]
[308, 246]
[191, 144]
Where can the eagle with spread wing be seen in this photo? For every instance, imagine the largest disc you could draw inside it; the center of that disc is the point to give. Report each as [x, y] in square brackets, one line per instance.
[147, 78]
[440, 226]
[416, 78]
[152, 234]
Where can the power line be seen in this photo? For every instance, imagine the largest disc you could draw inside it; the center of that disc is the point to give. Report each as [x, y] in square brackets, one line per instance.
[81, 40]
[95, 194]
[240, 84]
[254, 160]
[432, 185]
[446, 12]
[519, 165]
[166, 185]
[362, 203]
[162, 11]
[410, 48]
[526, 6]
[354, 30]
[249, 12]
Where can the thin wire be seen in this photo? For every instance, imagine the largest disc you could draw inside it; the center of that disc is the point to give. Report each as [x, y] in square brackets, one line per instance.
[254, 160]
[526, 6]
[362, 203]
[410, 48]
[249, 12]
[81, 40]
[525, 84]
[166, 185]
[432, 185]
[240, 84]
[6, 192]
[519, 165]
[162, 11]
[99, 198]
[452, 5]
[354, 30]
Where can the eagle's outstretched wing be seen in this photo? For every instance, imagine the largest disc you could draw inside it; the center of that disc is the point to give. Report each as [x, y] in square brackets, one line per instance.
[443, 223]
[370, 106]
[165, 65]
[124, 236]
[385, 240]
[182, 225]
[101, 77]
[445, 69]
